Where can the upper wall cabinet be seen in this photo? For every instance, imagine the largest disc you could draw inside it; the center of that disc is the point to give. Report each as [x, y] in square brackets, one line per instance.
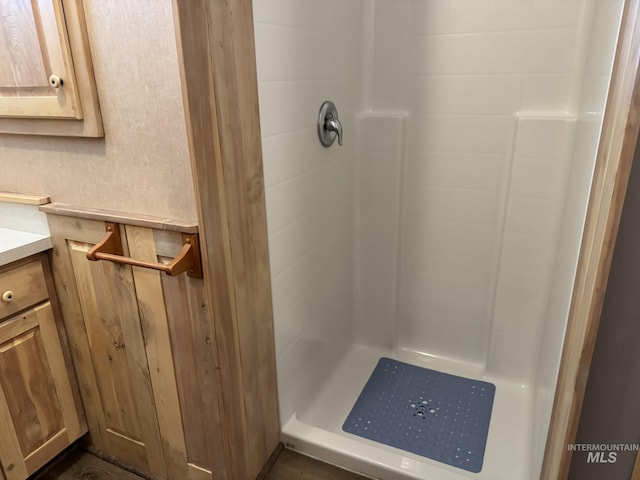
[47, 84]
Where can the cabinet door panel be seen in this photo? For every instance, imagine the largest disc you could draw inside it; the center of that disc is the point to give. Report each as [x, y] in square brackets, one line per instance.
[38, 415]
[35, 45]
[28, 386]
[20, 47]
[112, 323]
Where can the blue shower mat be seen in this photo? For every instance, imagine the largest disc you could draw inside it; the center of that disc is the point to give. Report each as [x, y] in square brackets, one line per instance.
[433, 414]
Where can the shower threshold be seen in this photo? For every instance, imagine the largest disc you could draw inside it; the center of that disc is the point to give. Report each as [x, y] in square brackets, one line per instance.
[316, 429]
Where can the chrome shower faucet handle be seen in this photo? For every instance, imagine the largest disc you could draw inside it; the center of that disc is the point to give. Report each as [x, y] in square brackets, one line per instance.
[329, 125]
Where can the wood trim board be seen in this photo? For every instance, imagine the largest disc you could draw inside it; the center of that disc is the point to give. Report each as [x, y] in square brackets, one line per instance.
[159, 223]
[613, 165]
[23, 199]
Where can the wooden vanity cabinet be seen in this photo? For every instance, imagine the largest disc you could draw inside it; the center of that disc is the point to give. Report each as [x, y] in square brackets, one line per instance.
[47, 84]
[40, 410]
[143, 350]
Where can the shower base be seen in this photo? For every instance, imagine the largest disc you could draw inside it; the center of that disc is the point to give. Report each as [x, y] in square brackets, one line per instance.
[316, 429]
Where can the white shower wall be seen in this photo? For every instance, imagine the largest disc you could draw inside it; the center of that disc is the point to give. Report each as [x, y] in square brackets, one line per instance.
[605, 23]
[308, 51]
[490, 93]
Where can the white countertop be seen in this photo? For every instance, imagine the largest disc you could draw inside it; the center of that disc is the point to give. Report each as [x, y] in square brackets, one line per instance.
[15, 244]
[24, 231]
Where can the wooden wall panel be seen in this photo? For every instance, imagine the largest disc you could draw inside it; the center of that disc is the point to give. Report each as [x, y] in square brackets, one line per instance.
[149, 377]
[217, 60]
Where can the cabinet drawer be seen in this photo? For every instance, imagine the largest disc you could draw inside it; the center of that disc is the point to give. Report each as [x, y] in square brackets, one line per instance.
[21, 288]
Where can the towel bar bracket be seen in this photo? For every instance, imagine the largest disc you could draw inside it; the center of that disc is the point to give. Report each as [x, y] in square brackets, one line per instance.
[110, 248]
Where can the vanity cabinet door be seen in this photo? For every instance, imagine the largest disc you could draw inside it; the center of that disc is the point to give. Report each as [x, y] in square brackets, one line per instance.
[144, 359]
[46, 75]
[40, 81]
[38, 414]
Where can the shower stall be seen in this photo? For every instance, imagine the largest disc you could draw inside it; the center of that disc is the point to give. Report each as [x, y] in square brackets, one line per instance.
[445, 232]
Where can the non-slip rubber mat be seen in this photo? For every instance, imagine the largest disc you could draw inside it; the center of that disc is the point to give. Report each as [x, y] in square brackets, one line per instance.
[433, 414]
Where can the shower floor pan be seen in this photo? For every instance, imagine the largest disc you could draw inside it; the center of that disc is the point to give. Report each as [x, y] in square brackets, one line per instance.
[316, 429]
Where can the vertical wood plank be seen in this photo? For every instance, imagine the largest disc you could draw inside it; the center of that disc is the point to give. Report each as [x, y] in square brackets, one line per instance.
[67, 289]
[176, 294]
[198, 95]
[116, 297]
[193, 356]
[58, 367]
[153, 317]
[613, 164]
[216, 49]
[107, 342]
[235, 79]
[75, 401]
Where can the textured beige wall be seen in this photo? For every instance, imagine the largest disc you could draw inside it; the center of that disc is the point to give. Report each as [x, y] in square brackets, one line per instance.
[142, 164]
